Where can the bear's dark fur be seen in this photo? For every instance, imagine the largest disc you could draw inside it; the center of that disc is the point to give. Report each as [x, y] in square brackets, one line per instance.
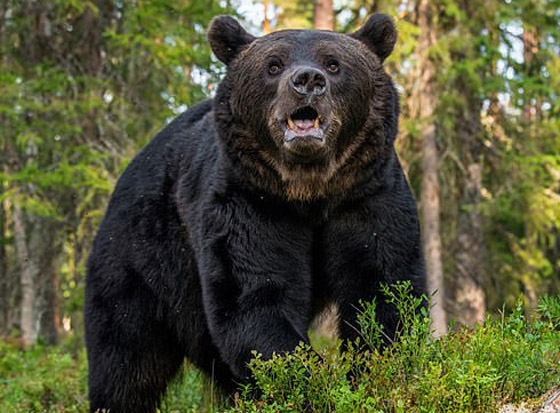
[250, 212]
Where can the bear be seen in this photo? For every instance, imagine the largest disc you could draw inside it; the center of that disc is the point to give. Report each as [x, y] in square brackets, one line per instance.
[250, 213]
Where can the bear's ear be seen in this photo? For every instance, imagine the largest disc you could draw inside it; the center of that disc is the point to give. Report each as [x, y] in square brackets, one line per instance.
[379, 34]
[227, 38]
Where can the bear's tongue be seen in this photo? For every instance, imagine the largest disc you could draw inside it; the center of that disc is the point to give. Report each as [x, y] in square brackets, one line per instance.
[304, 124]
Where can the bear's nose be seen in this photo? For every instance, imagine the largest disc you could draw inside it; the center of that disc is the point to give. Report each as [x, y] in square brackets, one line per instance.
[307, 81]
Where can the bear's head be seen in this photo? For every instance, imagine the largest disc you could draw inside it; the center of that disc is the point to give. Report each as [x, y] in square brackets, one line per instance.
[306, 114]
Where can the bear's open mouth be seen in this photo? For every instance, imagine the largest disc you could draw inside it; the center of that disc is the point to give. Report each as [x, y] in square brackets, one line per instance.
[304, 122]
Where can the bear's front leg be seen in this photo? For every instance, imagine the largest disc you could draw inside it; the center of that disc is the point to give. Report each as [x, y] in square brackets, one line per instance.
[374, 242]
[255, 271]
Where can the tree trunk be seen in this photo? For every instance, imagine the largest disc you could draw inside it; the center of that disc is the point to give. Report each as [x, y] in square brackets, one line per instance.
[531, 115]
[9, 282]
[470, 297]
[430, 236]
[430, 209]
[266, 21]
[36, 251]
[4, 280]
[323, 15]
[29, 323]
[531, 110]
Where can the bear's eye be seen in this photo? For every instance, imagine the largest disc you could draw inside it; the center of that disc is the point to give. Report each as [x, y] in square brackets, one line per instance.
[333, 66]
[274, 67]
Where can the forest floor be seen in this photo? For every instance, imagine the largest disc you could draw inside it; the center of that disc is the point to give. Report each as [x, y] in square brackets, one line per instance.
[548, 403]
[55, 380]
[510, 364]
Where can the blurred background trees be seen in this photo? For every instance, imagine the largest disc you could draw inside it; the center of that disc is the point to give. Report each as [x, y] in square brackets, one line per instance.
[85, 84]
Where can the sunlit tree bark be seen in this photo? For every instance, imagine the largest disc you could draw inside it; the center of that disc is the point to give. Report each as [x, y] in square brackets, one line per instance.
[266, 21]
[430, 203]
[323, 15]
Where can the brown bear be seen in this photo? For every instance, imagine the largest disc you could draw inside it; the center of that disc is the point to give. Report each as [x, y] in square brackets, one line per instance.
[251, 212]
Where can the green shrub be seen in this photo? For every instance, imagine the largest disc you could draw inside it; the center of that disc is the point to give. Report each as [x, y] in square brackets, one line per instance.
[506, 360]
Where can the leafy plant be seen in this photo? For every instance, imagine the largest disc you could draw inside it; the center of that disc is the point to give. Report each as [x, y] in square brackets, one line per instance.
[506, 360]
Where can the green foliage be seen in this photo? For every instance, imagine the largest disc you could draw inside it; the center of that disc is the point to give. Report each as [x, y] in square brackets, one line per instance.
[294, 14]
[486, 87]
[42, 380]
[83, 86]
[47, 379]
[506, 360]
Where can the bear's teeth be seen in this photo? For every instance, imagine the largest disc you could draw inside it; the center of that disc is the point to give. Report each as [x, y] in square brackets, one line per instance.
[316, 123]
[291, 123]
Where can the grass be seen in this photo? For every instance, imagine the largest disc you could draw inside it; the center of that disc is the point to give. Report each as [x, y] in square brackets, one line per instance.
[48, 379]
[42, 380]
[509, 359]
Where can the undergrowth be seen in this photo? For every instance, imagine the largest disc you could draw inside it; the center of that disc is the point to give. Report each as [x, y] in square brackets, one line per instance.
[54, 379]
[508, 359]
